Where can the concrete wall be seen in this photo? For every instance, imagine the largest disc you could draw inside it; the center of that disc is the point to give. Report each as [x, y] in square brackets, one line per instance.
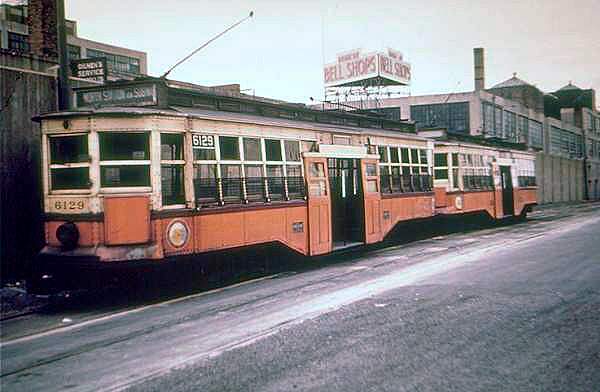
[559, 179]
[23, 94]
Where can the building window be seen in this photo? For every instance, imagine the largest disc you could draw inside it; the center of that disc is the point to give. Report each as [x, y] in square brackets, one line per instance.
[453, 116]
[510, 126]
[522, 129]
[74, 52]
[17, 13]
[117, 63]
[124, 159]
[18, 42]
[498, 122]
[69, 162]
[171, 167]
[535, 134]
[565, 143]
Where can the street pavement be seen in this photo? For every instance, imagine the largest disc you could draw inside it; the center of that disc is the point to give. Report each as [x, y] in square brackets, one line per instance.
[513, 308]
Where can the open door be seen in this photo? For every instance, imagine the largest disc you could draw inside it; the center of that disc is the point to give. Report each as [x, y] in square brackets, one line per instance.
[347, 202]
[508, 205]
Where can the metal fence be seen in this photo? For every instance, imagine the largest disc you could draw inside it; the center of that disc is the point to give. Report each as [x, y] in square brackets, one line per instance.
[220, 191]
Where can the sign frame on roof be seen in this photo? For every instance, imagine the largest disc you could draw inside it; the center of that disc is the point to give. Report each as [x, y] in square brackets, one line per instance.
[355, 68]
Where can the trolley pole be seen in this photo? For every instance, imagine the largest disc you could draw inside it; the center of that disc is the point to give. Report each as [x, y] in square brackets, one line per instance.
[207, 43]
[64, 91]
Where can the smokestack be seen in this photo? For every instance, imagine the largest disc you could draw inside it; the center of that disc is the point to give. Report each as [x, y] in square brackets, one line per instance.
[479, 64]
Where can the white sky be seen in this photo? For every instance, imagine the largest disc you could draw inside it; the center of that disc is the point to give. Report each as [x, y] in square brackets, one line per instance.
[279, 53]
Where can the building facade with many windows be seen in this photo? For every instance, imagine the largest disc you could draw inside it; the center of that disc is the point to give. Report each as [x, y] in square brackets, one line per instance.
[122, 63]
[15, 37]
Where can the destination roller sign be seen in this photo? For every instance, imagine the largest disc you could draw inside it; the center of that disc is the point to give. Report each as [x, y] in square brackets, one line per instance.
[91, 69]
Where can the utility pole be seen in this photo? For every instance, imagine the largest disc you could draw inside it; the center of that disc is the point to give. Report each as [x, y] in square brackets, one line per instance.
[64, 91]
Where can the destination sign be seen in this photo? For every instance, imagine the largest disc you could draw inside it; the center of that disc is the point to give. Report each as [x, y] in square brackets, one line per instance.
[138, 95]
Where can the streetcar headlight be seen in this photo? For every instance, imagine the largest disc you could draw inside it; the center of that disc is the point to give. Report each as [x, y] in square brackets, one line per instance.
[177, 234]
[68, 235]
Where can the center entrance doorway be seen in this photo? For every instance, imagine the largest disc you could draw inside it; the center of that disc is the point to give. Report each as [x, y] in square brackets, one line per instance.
[347, 204]
[508, 205]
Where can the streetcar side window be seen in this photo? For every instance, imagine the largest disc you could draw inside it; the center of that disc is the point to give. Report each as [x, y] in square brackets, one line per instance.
[273, 149]
[230, 148]
[124, 159]
[171, 168]
[69, 149]
[69, 162]
[441, 166]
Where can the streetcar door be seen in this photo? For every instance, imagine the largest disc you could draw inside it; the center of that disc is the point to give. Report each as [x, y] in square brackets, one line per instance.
[347, 204]
[508, 205]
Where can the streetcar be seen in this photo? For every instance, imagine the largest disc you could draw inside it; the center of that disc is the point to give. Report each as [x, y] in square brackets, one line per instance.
[145, 171]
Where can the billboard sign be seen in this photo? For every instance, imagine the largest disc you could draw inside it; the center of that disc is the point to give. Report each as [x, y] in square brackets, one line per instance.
[354, 68]
[91, 69]
[139, 95]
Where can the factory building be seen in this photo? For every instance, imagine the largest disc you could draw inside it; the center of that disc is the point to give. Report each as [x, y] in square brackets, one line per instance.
[563, 127]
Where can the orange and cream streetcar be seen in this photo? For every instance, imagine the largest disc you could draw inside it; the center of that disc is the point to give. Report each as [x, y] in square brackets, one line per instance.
[150, 170]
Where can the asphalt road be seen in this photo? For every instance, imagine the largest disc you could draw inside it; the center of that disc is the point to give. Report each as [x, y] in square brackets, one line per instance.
[514, 308]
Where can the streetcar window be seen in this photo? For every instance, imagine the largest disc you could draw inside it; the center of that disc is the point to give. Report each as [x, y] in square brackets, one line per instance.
[205, 171]
[124, 146]
[423, 154]
[69, 162]
[292, 151]
[293, 171]
[171, 169]
[118, 147]
[383, 156]
[253, 170]
[204, 154]
[370, 169]
[394, 155]
[274, 171]
[414, 155]
[230, 149]
[171, 146]
[252, 150]
[173, 191]
[404, 153]
[273, 149]
[441, 160]
[70, 178]
[69, 149]
[230, 171]
[126, 175]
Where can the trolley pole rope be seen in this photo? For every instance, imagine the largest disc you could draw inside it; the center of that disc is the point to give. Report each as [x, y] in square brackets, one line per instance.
[207, 43]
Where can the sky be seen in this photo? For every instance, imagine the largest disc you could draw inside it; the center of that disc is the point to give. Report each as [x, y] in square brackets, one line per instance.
[280, 52]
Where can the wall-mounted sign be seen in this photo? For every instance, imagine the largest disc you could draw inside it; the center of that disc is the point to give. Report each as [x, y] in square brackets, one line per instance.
[137, 95]
[91, 69]
[355, 68]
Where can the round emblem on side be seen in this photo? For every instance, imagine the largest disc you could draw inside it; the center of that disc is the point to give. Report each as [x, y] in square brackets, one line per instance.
[177, 234]
[458, 202]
